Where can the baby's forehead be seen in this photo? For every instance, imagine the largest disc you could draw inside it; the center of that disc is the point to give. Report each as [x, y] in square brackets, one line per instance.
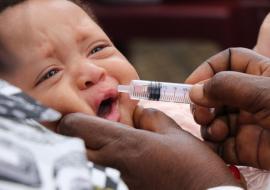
[35, 20]
[28, 28]
[33, 12]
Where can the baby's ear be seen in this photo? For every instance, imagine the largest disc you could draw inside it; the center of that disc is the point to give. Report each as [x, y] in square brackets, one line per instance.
[263, 41]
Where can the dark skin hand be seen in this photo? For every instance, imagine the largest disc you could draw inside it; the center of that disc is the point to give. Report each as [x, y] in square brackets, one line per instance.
[236, 83]
[162, 156]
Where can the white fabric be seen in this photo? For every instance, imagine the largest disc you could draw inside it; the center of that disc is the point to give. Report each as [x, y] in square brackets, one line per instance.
[34, 158]
[31, 159]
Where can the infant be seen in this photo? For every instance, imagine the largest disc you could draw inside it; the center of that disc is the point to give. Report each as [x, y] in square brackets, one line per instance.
[62, 58]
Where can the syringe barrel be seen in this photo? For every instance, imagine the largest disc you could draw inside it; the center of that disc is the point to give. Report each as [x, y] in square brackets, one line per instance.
[160, 91]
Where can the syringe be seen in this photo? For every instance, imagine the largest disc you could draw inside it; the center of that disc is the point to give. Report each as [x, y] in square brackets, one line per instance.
[157, 91]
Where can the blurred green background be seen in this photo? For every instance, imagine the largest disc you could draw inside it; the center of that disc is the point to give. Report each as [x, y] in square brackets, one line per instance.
[167, 60]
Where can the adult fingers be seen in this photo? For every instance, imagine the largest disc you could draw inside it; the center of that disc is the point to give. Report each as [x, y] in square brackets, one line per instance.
[108, 143]
[250, 147]
[232, 59]
[202, 115]
[224, 124]
[247, 92]
[95, 132]
[217, 131]
[154, 120]
[243, 149]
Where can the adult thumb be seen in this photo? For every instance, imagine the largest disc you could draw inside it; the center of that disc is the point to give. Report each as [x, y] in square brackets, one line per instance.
[248, 92]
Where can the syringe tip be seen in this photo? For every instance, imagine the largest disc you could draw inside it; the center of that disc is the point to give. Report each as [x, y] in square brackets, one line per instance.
[123, 88]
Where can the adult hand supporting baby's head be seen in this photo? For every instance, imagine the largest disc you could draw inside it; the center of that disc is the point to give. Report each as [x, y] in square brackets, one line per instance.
[162, 156]
[240, 126]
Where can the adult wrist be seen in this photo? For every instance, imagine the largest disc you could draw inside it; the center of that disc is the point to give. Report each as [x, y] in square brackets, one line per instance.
[216, 175]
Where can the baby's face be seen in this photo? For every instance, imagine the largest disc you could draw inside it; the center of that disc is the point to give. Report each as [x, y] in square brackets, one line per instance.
[65, 60]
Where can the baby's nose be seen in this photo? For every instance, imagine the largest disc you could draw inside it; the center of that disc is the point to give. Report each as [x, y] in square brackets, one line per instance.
[90, 76]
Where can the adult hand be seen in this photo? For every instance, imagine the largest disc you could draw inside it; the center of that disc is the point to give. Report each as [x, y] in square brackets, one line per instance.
[161, 157]
[239, 128]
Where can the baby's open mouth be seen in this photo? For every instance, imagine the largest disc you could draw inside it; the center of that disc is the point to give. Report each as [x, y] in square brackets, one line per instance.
[108, 109]
[105, 107]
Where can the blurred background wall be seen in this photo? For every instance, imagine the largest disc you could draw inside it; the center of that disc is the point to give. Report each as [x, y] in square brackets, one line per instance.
[166, 39]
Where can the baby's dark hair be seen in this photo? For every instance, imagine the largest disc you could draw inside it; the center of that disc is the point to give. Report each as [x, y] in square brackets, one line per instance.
[4, 4]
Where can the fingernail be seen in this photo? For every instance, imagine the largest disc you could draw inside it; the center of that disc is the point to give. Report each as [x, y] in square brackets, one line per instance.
[196, 93]
[212, 110]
